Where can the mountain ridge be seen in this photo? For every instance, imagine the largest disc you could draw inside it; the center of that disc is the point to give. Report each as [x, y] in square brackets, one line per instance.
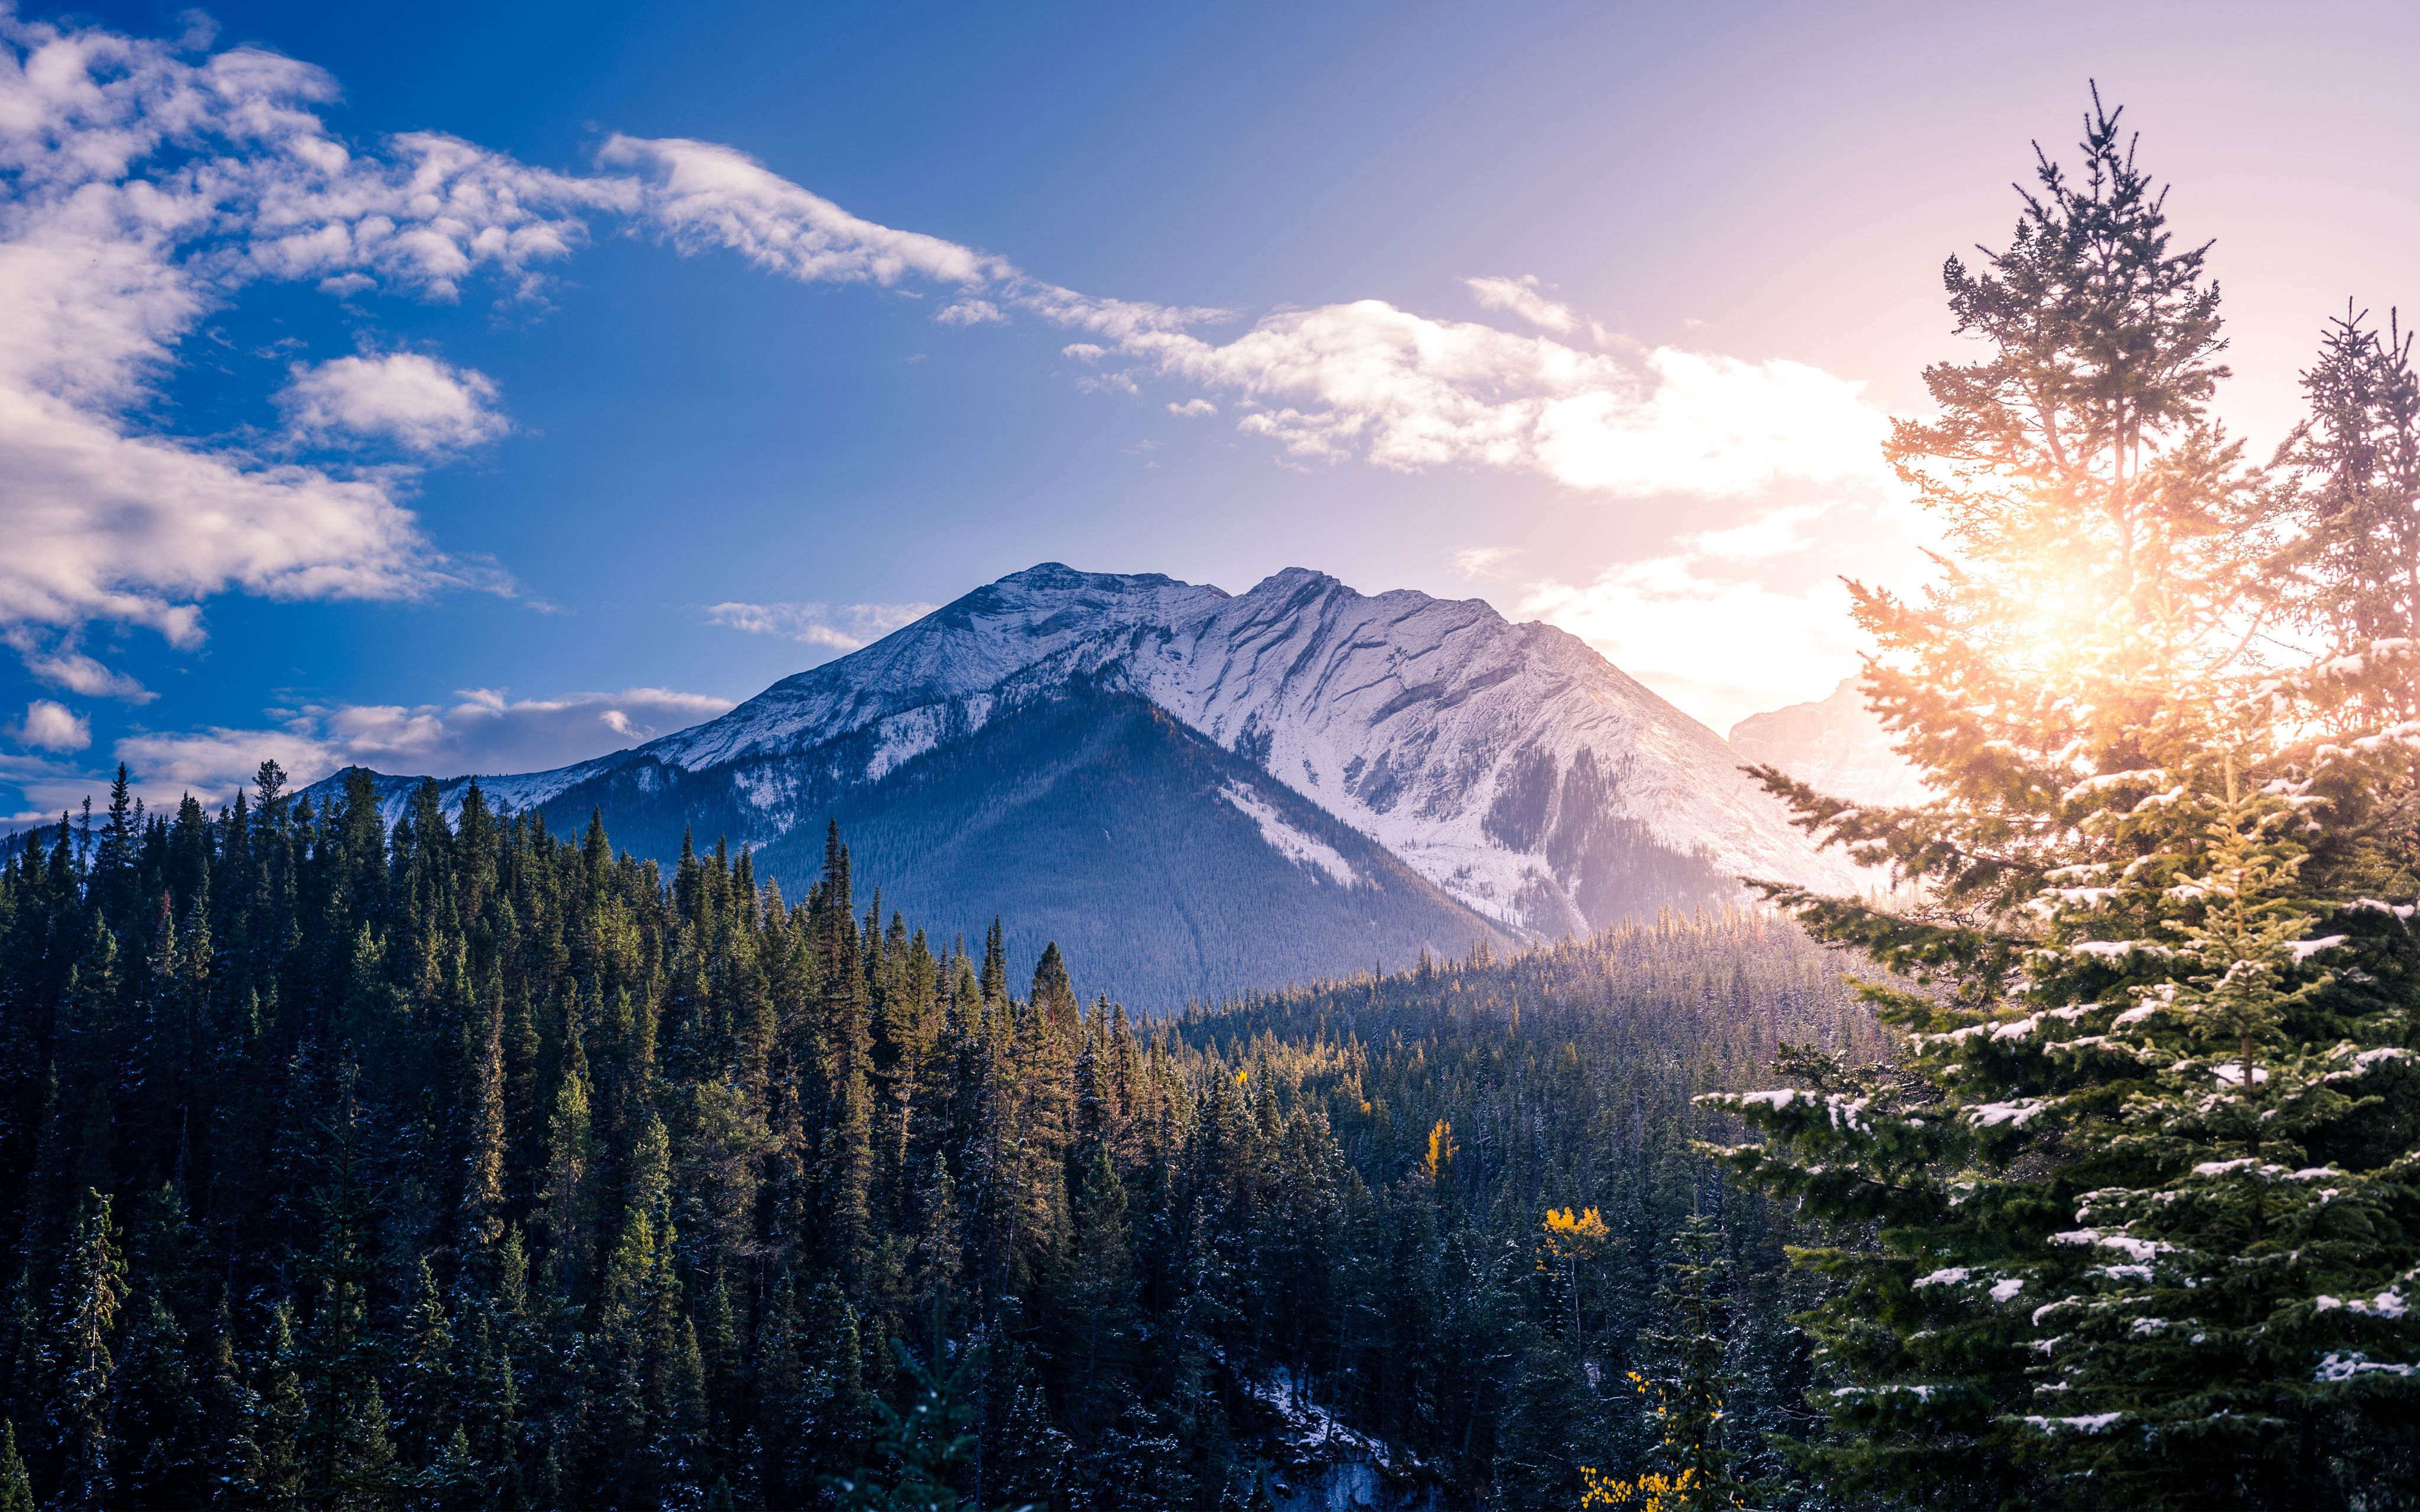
[1524, 778]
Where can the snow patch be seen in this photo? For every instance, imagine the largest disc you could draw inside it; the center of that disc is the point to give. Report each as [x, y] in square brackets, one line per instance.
[2335, 1367]
[2091, 1423]
[1288, 841]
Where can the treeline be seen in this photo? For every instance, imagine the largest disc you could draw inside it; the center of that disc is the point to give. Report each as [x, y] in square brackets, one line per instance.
[457, 1164]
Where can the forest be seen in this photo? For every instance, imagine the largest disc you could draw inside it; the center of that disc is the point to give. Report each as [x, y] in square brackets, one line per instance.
[462, 1166]
[457, 1162]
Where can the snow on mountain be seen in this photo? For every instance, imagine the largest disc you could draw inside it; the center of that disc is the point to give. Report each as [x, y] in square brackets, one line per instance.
[1509, 764]
[1835, 745]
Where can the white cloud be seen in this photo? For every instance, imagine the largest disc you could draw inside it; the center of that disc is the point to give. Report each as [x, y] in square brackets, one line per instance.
[146, 184]
[49, 725]
[484, 732]
[839, 628]
[1773, 533]
[1363, 378]
[702, 195]
[54, 659]
[1520, 297]
[143, 187]
[416, 402]
[1720, 648]
[1408, 392]
[1710, 626]
[1483, 561]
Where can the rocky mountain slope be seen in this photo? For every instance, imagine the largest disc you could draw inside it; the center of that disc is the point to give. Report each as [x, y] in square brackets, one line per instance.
[1457, 770]
[1835, 745]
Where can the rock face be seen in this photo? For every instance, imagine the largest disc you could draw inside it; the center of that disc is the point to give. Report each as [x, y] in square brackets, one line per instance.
[1437, 771]
[1835, 746]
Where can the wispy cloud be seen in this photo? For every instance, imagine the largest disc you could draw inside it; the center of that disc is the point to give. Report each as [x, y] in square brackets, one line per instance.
[52, 657]
[1521, 297]
[834, 626]
[1484, 560]
[702, 195]
[483, 731]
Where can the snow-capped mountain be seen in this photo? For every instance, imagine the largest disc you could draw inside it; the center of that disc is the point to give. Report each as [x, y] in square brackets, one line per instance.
[1507, 767]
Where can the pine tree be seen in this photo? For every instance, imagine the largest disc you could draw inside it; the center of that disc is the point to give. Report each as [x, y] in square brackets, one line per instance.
[90, 1295]
[232, 1458]
[2356, 464]
[156, 1418]
[279, 1419]
[2134, 1192]
[483, 1180]
[1101, 1298]
[344, 1450]
[1053, 993]
[1687, 1385]
[566, 1208]
[426, 1389]
[929, 1446]
[16, 1488]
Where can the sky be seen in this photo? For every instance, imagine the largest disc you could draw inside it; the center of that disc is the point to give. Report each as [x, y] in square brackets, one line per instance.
[459, 388]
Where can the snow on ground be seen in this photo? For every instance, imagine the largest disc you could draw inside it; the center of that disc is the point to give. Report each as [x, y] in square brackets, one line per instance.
[1288, 841]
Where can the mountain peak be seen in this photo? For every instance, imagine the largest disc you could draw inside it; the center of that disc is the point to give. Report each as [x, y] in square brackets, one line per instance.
[1288, 580]
[1058, 576]
[1509, 766]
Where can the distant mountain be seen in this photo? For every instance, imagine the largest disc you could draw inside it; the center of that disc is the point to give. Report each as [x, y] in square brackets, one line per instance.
[1221, 790]
[1835, 745]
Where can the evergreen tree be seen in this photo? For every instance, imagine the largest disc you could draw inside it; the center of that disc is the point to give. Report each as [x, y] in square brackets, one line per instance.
[928, 1447]
[16, 1488]
[1687, 1384]
[2356, 465]
[426, 1389]
[2139, 1199]
[89, 1294]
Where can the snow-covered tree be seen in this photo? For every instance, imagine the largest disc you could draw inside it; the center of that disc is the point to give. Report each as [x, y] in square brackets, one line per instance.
[2134, 1220]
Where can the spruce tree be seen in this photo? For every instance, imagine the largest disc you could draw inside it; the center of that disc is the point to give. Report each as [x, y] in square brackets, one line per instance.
[1687, 1384]
[2356, 465]
[2133, 1222]
[16, 1488]
[91, 1292]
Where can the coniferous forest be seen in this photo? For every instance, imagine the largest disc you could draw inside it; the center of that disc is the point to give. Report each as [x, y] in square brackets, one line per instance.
[462, 1166]
[463, 1162]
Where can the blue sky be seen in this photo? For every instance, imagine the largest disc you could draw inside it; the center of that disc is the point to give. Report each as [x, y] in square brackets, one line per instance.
[734, 337]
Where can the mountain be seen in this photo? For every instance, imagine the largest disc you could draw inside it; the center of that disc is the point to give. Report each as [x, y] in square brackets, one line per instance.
[1835, 745]
[1294, 781]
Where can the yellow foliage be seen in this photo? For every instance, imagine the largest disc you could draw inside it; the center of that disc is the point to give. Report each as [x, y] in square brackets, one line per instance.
[1442, 1149]
[1651, 1493]
[1576, 1235]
